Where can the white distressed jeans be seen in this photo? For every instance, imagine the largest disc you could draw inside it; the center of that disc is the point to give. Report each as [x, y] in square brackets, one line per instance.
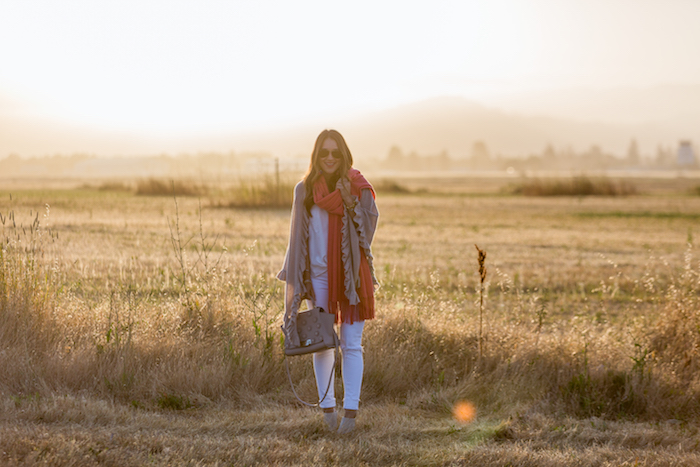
[351, 350]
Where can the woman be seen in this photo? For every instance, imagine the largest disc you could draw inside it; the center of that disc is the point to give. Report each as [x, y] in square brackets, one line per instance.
[329, 261]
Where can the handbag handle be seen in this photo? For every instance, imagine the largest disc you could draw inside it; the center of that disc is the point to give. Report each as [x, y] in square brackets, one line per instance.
[330, 379]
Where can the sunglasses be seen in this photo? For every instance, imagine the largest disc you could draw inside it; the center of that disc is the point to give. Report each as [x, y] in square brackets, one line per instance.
[323, 153]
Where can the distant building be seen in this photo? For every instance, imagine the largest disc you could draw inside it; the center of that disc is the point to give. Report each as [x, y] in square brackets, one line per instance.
[686, 155]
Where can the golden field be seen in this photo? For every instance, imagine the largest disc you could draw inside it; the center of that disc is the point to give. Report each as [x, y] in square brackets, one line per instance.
[145, 330]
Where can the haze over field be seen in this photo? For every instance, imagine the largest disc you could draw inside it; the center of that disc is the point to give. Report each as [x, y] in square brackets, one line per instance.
[534, 163]
[134, 78]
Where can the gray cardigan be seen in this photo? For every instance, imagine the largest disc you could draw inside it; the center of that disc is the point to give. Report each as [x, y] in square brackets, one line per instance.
[357, 232]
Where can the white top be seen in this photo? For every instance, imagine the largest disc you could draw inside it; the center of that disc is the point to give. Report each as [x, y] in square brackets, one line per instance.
[318, 241]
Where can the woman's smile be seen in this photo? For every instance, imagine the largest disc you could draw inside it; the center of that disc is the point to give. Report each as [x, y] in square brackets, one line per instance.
[329, 163]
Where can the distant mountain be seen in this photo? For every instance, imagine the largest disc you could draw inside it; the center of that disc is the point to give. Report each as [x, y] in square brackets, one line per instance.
[454, 124]
[427, 127]
[669, 103]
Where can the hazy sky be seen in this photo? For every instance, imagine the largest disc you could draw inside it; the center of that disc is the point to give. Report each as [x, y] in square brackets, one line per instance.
[163, 65]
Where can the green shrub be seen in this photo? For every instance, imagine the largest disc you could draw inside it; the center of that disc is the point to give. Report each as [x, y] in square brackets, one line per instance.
[173, 402]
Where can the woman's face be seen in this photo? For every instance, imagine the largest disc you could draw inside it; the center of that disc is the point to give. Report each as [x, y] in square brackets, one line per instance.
[329, 156]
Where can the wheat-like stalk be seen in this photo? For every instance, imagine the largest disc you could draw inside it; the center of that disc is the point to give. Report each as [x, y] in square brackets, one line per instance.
[482, 278]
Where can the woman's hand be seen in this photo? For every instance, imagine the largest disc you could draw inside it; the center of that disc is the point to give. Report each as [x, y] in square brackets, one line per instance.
[344, 186]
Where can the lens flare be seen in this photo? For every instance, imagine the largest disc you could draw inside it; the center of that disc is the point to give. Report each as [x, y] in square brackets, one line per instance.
[464, 412]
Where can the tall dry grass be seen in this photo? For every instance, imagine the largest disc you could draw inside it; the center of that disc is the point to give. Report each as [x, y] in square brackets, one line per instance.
[208, 330]
[251, 193]
[118, 345]
[575, 186]
[386, 186]
[257, 193]
[161, 187]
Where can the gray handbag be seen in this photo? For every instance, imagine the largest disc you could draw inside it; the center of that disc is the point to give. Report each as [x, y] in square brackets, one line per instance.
[315, 330]
[316, 333]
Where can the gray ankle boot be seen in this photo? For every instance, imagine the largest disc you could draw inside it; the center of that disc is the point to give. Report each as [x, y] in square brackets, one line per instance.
[346, 425]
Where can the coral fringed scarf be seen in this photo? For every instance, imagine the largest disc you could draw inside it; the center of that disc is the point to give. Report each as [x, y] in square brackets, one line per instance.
[337, 301]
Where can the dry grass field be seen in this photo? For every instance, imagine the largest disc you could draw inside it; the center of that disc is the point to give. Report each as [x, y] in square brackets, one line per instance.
[145, 330]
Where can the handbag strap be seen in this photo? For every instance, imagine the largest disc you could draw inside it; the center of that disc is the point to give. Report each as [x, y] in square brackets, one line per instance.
[330, 379]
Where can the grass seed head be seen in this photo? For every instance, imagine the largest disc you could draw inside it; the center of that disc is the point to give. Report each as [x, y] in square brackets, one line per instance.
[482, 263]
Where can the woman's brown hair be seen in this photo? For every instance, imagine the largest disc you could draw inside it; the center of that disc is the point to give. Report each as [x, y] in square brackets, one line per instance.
[314, 172]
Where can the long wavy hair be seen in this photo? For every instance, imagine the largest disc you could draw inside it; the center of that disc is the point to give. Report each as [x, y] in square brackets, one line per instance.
[314, 172]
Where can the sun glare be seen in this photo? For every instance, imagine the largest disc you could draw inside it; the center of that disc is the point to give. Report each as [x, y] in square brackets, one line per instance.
[164, 68]
[181, 66]
[464, 412]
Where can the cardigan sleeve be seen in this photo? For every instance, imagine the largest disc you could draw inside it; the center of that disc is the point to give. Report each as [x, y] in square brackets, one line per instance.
[293, 231]
[366, 217]
[292, 272]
